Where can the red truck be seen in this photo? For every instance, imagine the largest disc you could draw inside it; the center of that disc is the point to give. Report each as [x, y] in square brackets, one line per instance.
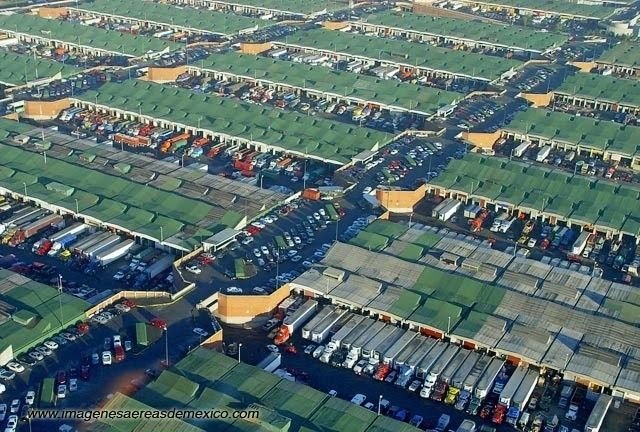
[44, 248]
[439, 391]
[119, 353]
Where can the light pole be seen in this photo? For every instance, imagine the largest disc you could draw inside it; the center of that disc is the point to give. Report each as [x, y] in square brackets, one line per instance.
[77, 207]
[166, 346]
[25, 189]
[379, 403]
[60, 299]
[239, 349]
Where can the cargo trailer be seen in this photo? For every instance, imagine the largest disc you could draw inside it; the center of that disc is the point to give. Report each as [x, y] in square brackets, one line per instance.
[357, 346]
[488, 378]
[91, 240]
[378, 353]
[469, 383]
[36, 226]
[452, 367]
[436, 210]
[313, 322]
[114, 252]
[580, 243]
[416, 345]
[449, 210]
[392, 354]
[525, 390]
[521, 149]
[75, 229]
[358, 332]
[62, 243]
[321, 332]
[347, 329]
[594, 422]
[271, 362]
[543, 153]
[512, 385]
[370, 347]
[431, 358]
[161, 265]
[104, 244]
[458, 379]
[27, 218]
[296, 320]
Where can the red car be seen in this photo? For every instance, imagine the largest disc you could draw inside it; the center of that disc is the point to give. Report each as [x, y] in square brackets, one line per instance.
[130, 304]
[82, 327]
[61, 377]
[499, 414]
[159, 323]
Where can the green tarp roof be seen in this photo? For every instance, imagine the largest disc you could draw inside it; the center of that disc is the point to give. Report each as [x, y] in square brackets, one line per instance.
[18, 69]
[558, 7]
[602, 88]
[625, 53]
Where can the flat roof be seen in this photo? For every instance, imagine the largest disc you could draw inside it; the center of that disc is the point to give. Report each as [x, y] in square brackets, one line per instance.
[558, 7]
[510, 36]
[204, 20]
[583, 131]
[365, 88]
[602, 88]
[340, 415]
[406, 53]
[77, 34]
[595, 202]
[19, 69]
[303, 7]
[329, 140]
[37, 311]
[624, 53]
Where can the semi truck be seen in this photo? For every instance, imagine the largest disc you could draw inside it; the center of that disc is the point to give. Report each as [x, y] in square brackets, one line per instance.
[362, 334]
[368, 350]
[444, 378]
[594, 422]
[521, 396]
[104, 244]
[75, 229]
[348, 328]
[521, 149]
[159, 266]
[313, 322]
[411, 357]
[456, 385]
[294, 321]
[322, 330]
[62, 243]
[29, 230]
[271, 362]
[114, 252]
[543, 153]
[576, 403]
[469, 384]
[511, 387]
[580, 243]
[483, 385]
[378, 353]
[89, 241]
[390, 355]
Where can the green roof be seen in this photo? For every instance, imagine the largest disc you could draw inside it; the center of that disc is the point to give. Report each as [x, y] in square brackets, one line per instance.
[75, 33]
[370, 240]
[330, 140]
[111, 199]
[558, 7]
[293, 6]
[602, 88]
[626, 53]
[18, 69]
[583, 131]
[200, 19]
[296, 401]
[246, 383]
[436, 313]
[406, 53]
[40, 311]
[554, 191]
[509, 36]
[339, 415]
[386, 424]
[363, 88]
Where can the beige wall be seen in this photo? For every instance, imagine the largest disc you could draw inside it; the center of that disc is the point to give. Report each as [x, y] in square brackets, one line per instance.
[482, 139]
[52, 12]
[255, 48]
[239, 309]
[335, 25]
[538, 100]
[163, 75]
[584, 66]
[400, 201]
[39, 110]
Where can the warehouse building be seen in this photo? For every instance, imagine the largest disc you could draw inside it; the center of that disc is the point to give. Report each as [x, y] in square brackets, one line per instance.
[206, 379]
[410, 58]
[19, 70]
[293, 9]
[81, 38]
[317, 82]
[459, 32]
[153, 201]
[530, 313]
[622, 58]
[600, 93]
[158, 16]
[31, 313]
[592, 10]
[552, 195]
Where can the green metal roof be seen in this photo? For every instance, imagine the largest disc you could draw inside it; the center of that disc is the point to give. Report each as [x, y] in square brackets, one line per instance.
[558, 7]
[76, 33]
[626, 53]
[339, 415]
[296, 401]
[590, 201]
[492, 33]
[330, 140]
[364, 88]
[18, 69]
[199, 19]
[583, 131]
[293, 6]
[406, 53]
[602, 88]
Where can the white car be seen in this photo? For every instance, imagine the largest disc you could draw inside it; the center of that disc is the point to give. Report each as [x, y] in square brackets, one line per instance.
[358, 399]
[7, 375]
[309, 348]
[316, 216]
[234, 290]
[273, 348]
[36, 356]
[73, 384]
[307, 264]
[15, 367]
[106, 358]
[68, 336]
[367, 190]
[3, 411]
[107, 315]
[12, 422]
[297, 240]
[247, 240]
[62, 391]
[296, 258]
[118, 276]
[333, 393]
[264, 250]
[192, 268]
[200, 332]
[532, 242]
[50, 344]
[99, 319]
[44, 350]
[318, 351]
[30, 398]
[122, 307]
[257, 253]
[258, 225]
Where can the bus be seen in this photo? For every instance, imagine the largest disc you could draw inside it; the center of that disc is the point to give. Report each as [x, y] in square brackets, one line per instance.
[411, 161]
[331, 211]
[280, 243]
[47, 393]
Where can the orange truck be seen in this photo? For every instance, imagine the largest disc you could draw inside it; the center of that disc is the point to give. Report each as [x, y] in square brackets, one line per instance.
[295, 320]
[476, 224]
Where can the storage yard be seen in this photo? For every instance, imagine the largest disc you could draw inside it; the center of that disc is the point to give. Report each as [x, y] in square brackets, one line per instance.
[409, 216]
